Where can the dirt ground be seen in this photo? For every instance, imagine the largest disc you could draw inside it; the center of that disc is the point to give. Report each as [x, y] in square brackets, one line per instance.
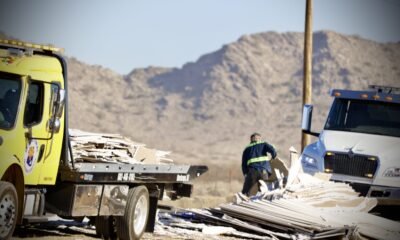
[77, 233]
[71, 236]
[146, 236]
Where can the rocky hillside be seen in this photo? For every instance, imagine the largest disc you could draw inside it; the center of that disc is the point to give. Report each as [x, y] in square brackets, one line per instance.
[205, 111]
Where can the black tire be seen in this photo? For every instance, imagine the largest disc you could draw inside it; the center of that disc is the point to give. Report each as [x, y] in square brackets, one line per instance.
[8, 209]
[132, 225]
[105, 227]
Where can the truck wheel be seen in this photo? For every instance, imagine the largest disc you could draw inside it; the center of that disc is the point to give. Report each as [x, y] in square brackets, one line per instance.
[133, 223]
[105, 227]
[8, 209]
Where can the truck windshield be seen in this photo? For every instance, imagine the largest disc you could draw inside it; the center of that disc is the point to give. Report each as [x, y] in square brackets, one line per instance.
[10, 90]
[372, 117]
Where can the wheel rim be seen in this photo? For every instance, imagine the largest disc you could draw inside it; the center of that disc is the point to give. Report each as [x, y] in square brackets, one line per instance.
[141, 208]
[7, 214]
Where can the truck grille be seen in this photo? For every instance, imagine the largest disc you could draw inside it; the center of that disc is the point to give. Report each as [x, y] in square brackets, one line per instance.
[351, 164]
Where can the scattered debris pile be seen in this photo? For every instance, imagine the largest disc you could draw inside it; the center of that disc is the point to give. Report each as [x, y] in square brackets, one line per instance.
[113, 148]
[309, 207]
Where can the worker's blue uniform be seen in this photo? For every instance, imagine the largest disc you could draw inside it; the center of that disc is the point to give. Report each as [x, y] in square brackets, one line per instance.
[255, 164]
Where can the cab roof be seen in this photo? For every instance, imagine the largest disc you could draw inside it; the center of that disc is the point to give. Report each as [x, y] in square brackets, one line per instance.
[376, 93]
[31, 46]
[37, 61]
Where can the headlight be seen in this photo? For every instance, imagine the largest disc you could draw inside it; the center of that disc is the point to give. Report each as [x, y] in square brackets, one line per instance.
[392, 172]
[308, 161]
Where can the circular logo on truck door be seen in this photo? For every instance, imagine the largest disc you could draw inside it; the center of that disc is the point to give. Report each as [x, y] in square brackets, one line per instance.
[31, 154]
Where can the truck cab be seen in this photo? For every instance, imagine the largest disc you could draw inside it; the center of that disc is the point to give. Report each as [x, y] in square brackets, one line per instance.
[360, 142]
[31, 123]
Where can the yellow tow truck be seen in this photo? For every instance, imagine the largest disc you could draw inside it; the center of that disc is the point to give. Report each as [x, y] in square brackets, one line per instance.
[37, 170]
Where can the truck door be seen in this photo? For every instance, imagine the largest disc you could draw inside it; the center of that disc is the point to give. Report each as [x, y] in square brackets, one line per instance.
[55, 126]
[36, 133]
[11, 132]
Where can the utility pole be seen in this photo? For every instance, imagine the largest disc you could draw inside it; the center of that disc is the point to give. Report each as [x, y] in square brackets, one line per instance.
[307, 81]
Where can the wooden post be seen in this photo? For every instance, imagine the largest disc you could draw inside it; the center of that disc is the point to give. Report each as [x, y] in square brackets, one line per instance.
[307, 81]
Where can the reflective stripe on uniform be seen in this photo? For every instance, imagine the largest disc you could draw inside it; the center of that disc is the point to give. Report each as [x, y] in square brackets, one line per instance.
[255, 143]
[258, 159]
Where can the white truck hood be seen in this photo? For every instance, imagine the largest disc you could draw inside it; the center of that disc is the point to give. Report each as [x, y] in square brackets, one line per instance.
[361, 143]
[386, 148]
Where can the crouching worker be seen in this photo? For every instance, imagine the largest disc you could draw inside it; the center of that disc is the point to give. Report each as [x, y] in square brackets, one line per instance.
[255, 162]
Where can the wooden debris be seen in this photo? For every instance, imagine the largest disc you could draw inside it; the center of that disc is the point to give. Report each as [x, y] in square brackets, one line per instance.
[308, 207]
[113, 148]
[168, 222]
[280, 167]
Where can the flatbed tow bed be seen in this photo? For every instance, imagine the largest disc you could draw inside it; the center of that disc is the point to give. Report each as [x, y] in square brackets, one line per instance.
[99, 180]
[143, 173]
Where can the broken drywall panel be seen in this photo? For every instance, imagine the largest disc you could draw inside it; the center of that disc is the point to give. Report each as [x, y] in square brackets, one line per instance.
[113, 148]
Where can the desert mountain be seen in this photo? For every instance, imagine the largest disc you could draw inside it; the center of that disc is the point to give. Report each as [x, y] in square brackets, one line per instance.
[205, 111]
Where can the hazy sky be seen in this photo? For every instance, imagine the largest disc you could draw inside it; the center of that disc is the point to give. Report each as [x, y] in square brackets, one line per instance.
[126, 34]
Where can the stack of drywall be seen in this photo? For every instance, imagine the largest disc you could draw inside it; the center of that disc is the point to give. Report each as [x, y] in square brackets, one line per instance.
[291, 210]
[309, 207]
[112, 148]
[324, 194]
[338, 202]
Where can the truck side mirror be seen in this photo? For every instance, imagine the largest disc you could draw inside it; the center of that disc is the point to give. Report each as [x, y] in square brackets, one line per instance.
[60, 103]
[306, 120]
[307, 116]
[57, 108]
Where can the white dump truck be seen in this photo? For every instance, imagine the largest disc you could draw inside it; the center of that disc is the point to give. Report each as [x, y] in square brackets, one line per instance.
[360, 142]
